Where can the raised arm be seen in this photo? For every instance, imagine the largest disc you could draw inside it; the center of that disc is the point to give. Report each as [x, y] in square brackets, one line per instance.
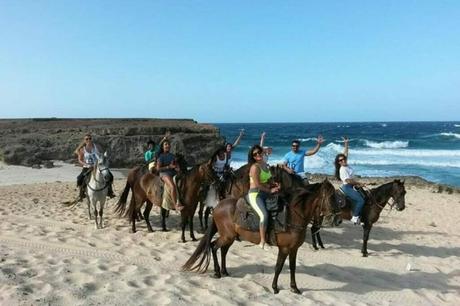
[313, 151]
[345, 143]
[262, 139]
[237, 141]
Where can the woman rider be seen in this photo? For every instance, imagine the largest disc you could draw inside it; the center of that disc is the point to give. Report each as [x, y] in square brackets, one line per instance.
[88, 153]
[259, 188]
[344, 173]
[229, 147]
[166, 166]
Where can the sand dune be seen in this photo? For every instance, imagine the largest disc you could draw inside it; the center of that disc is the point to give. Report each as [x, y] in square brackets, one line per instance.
[51, 255]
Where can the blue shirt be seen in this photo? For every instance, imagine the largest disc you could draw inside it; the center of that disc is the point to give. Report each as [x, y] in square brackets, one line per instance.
[295, 160]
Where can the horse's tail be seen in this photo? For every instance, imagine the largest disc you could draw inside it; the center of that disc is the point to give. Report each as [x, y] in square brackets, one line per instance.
[202, 252]
[120, 207]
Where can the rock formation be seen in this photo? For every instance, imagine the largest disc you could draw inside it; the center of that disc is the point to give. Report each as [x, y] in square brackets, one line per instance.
[34, 141]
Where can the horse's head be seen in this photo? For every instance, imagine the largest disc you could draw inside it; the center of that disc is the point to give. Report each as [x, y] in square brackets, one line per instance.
[398, 194]
[329, 207]
[207, 172]
[102, 166]
[288, 182]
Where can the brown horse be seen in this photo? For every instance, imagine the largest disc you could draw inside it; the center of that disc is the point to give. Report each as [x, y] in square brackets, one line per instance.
[189, 186]
[134, 175]
[147, 189]
[301, 206]
[236, 185]
[377, 200]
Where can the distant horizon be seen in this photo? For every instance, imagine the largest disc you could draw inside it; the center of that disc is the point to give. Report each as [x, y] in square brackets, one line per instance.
[205, 122]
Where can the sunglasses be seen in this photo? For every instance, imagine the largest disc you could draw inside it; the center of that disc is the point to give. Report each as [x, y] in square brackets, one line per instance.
[87, 138]
[256, 153]
[341, 159]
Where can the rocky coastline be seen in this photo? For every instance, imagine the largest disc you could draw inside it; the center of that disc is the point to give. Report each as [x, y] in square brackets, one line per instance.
[36, 142]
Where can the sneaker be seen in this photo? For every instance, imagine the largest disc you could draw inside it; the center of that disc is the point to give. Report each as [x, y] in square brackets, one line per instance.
[355, 220]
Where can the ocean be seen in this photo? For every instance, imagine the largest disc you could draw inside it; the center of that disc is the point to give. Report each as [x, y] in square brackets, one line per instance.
[430, 150]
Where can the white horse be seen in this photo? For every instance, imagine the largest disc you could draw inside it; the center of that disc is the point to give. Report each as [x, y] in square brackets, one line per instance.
[97, 188]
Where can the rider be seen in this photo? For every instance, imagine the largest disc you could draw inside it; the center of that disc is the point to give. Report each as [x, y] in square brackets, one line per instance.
[267, 150]
[293, 161]
[221, 168]
[88, 153]
[259, 188]
[344, 173]
[229, 147]
[149, 155]
[166, 166]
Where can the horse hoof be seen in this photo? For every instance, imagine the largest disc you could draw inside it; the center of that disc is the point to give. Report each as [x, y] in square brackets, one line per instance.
[194, 239]
[295, 290]
[225, 273]
[151, 230]
[216, 275]
[276, 290]
[322, 246]
[316, 248]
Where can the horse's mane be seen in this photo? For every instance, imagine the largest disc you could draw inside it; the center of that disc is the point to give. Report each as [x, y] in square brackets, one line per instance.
[301, 195]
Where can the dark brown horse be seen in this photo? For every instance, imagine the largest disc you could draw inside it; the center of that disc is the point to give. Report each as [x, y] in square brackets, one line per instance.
[189, 186]
[378, 198]
[236, 185]
[301, 206]
[134, 175]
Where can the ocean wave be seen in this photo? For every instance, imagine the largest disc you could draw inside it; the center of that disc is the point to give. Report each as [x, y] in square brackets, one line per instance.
[386, 144]
[407, 163]
[307, 139]
[450, 134]
[457, 125]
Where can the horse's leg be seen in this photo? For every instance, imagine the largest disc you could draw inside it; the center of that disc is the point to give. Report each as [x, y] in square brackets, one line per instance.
[89, 206]
[163, 219]
[95, 212]
[148, 208]
[183, 224]
[206, 216]
[134, 213]
[192, 235]
[313, 236]
[292, 266]
[214, 249]
[101, 212]
[367, 228]
[282, 254]
[200, 215]
[223, 253]
[320, 242]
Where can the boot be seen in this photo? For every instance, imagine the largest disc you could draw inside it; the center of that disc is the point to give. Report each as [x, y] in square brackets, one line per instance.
[110, 193]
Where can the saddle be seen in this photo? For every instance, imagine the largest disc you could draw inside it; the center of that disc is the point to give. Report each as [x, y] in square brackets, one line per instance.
[248, 219]
[344, 201]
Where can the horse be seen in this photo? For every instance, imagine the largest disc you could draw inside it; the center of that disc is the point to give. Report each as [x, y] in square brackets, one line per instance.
[147, 189]
[236, 185]
[300, 208]
[96, 189]
[189, 185]
[134, 175]
[377, 199]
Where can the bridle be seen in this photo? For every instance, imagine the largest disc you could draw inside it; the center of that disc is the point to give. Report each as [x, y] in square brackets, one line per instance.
[105, 182]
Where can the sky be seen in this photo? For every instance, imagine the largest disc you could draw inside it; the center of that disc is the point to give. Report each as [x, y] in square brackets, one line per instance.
[231, 61]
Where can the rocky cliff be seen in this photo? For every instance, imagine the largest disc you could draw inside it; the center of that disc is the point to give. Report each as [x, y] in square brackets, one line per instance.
[34, 141]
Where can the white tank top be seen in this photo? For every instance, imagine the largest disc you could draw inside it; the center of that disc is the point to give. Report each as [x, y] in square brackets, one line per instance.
[219, 166]
[90, 157]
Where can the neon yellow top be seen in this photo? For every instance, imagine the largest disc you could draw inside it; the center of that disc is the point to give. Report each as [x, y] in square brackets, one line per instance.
[264, 176]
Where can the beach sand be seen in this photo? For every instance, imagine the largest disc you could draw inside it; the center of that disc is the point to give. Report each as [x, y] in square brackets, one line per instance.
[52, 255]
